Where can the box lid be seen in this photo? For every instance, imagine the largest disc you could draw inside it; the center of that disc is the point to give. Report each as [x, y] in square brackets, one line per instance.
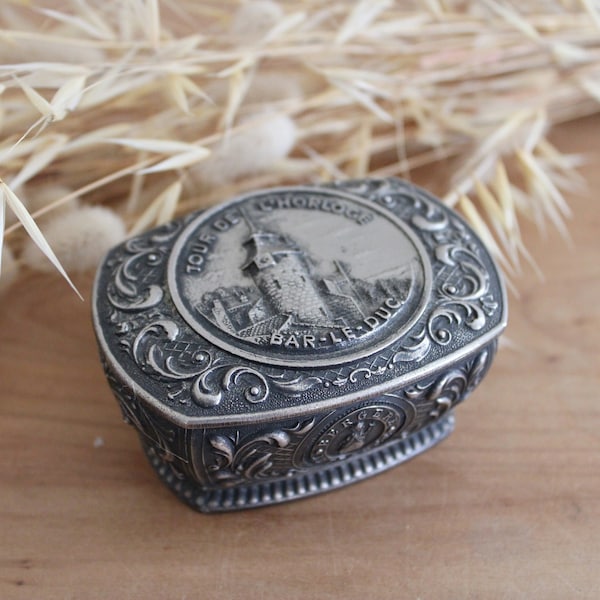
[296, 299]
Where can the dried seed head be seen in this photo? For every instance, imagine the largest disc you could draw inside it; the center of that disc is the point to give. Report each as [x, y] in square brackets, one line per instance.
[255, 18]
[254, 149]
[80, 239]
[10, 269]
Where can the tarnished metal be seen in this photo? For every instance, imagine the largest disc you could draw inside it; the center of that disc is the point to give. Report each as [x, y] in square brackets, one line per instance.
[294, 340]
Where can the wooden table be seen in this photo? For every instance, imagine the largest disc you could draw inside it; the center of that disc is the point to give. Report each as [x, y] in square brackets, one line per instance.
[508, 507]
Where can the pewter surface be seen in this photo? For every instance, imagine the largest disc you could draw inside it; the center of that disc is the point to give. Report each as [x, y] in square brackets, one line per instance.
[303, 277]
[296, 340]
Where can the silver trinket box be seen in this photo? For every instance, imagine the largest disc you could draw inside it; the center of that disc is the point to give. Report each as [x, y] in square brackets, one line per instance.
[295, 340]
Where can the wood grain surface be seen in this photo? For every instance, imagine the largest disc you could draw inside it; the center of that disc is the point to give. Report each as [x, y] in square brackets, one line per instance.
[507, 507]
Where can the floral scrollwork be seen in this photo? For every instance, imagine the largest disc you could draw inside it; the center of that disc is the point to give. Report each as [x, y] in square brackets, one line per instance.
[129, 290]
[132, 288]
[296, 385]
[416, 351]
[433, 220]
[161, 349]
[208, 388]
[150, 352]
[358, 374]
[446, 392]
[231, 459]
[463, 296]
[451, 387]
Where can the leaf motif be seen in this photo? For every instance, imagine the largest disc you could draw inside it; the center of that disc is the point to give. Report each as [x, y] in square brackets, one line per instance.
[426, 224]
[202, 395]
[302, 428]
[477, 321]
[299, 384]
[258, 466]
[413, 353]
[280, 438]
[366, 373]
[254, 394]
[223, 446]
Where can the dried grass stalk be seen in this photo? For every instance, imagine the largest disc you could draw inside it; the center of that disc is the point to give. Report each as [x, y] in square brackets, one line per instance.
[153, 108]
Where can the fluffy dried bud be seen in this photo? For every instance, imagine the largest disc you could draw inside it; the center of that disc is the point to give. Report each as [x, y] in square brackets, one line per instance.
[79, 238]
[254, 149]
[256, 18]
[10, 269]
[265, 87]
[41, 196]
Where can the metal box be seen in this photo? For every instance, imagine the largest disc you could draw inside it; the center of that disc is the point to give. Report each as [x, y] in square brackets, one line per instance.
[295, 340]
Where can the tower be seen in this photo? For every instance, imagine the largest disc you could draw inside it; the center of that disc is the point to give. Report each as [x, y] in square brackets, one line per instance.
[282, 273]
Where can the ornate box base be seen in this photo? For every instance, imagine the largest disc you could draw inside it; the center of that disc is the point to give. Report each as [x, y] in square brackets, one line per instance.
[301, 484]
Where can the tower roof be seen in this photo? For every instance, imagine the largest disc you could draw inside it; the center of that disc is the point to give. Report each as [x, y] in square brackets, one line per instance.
[264, 246]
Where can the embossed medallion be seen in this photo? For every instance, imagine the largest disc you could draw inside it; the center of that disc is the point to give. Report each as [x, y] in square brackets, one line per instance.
[358, 430]
[300, 277]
